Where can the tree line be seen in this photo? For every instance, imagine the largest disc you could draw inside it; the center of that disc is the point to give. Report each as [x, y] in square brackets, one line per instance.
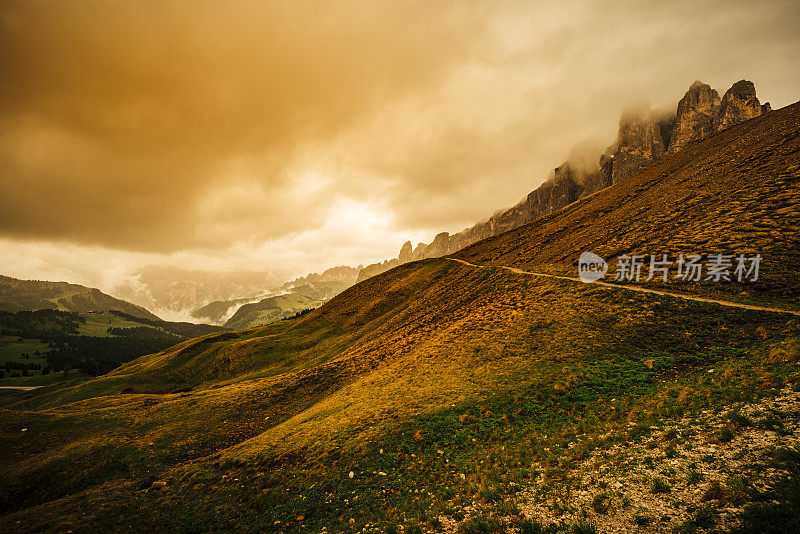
[91, 355]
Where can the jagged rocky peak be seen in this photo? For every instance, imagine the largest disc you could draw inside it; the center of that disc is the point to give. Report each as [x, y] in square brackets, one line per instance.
[701, 112]
[697, 114]
[739, 104]
[565, 187]
[439, 247]
[602, 177]
[405, 252]
[642, 139]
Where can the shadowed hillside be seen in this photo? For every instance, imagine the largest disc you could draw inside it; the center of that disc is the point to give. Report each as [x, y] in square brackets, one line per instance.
[440, 395]
[19, 295]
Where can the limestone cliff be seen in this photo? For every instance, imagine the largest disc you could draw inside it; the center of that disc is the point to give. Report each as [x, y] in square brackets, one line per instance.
[640, 142]
[739, 104]
[697, 116]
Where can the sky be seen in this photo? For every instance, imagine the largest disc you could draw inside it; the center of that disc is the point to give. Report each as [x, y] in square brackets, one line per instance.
[288, 137]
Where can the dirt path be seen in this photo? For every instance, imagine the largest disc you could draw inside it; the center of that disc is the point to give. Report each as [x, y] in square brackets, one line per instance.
[630, 288]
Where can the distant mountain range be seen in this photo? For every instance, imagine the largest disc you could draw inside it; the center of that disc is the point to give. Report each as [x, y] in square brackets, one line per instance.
[173, 292]
[293, 297]
[296, 300]
[273, 305]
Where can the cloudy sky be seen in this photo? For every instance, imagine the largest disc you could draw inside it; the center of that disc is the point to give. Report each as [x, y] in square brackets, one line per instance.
[293, 136]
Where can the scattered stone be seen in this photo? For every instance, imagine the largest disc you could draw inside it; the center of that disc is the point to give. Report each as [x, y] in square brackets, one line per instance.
[628, 470]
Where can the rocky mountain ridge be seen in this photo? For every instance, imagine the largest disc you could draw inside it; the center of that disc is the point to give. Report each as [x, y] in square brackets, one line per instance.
[644, 137]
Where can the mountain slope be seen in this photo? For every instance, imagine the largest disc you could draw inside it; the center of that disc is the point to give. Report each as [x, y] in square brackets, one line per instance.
[644, 137]
[433, 393]
[219, 311]
[299, 299]
[735, 192]
[304, 293]
[20, 295]
[269, 310]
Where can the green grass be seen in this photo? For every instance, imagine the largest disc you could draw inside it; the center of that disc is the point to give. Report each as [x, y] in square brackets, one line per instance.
[701, 517]
[725, 435]
[533, 526]
[11, 349]
[694, 477]
[642, 517]
[659, 485]
[97, 324]
[774, 511]
[601, 503]
[482, 524]
[583, 527]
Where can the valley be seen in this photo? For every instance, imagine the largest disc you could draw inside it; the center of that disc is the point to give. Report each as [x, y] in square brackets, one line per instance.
[50, 346]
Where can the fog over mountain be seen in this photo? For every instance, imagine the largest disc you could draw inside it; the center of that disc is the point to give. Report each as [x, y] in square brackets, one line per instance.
[251, 137]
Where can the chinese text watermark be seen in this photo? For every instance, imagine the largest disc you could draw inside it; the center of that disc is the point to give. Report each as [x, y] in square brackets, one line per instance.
[665, 268]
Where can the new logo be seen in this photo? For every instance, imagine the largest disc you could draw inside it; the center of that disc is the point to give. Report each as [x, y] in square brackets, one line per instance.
[591, 267]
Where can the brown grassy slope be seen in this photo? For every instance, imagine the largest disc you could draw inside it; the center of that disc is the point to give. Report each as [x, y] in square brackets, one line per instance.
[411, 342]
[735, 192]
[394, 338]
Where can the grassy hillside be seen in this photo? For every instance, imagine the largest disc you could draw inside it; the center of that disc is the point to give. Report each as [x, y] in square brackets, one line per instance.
[440, 396]
[735, 192]
[297, 300]
[269, 310]
[217, 312]
[19, 295]
[36, 343]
